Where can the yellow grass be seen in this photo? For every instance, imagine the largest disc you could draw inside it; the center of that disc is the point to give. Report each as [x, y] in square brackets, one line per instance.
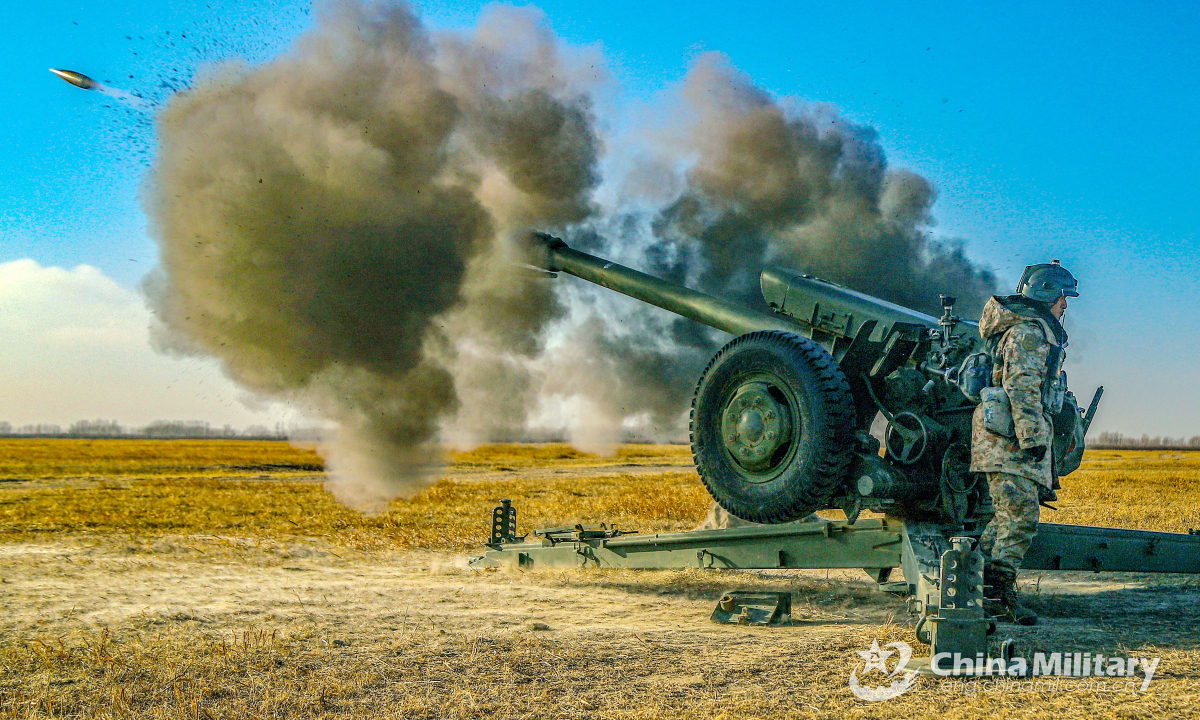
[259, 674]
[37, 458]
[155, 488]
[559, 454]
[33, 459]
[1142, 489]
[189, 488]
[448, 515]
[101, 490]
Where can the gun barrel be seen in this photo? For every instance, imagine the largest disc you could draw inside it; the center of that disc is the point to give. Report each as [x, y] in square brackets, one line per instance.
[714, 312]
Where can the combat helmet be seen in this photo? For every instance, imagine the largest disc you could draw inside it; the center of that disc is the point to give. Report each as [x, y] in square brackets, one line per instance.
[1047, 282]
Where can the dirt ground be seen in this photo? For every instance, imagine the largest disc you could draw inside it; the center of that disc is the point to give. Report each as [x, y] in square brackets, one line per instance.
[204, 625]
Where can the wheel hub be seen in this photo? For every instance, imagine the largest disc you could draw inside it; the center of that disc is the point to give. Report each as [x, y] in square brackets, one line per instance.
[754, 425]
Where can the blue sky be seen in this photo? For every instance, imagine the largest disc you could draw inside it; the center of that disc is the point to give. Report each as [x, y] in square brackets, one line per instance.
[1063, 130]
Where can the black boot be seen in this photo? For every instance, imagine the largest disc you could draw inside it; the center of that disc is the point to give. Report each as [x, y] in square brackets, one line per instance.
[1000, 598]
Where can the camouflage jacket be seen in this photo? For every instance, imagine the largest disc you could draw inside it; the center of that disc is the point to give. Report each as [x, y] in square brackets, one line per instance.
[1026, 351]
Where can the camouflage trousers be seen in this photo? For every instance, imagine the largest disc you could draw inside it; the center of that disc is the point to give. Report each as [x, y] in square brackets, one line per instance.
[1010, 533]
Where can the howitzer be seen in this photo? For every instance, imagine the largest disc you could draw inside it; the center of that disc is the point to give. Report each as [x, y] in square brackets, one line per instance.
[781, 417]
[780, 428]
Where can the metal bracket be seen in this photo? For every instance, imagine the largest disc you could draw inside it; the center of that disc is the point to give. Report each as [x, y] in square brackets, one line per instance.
[578, 532]
[959, 628]
[753, 607]
[504, 524]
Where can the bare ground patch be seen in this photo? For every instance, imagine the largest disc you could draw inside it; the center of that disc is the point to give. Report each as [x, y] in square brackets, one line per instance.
[221, 627]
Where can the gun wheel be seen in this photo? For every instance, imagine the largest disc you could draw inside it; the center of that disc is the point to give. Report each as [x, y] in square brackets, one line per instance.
[772, 427]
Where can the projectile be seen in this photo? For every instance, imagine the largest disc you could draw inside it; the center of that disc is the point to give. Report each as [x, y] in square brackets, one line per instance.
[77, 79]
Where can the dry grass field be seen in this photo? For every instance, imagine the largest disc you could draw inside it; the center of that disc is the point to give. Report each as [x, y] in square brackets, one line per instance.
[215, 579]
[146, 489]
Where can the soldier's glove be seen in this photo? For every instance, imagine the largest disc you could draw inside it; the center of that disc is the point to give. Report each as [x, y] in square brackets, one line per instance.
[1037, 453]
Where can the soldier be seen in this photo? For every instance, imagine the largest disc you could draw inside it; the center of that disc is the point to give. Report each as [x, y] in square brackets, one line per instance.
[1012, 434]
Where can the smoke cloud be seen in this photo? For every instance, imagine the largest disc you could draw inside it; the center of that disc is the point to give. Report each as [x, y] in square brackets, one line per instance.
[757, 183]
[343, 227]
[806, 190]
[333, 225]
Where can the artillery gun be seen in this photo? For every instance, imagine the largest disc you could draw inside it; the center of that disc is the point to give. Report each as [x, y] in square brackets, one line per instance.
[780, 428]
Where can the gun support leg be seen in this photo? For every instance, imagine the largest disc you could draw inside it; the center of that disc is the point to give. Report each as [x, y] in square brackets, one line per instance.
[942, 574]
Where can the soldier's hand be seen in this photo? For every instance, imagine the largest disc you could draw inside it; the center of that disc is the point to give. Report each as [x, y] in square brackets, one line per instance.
[1037, 453]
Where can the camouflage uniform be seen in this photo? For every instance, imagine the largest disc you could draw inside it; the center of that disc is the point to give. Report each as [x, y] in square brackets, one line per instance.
[1026, 348]
[1010, 533]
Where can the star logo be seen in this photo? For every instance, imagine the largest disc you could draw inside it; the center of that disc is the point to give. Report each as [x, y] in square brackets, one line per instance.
[876, 659]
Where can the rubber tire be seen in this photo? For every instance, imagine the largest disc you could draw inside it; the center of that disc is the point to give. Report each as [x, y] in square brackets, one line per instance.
[816, 467]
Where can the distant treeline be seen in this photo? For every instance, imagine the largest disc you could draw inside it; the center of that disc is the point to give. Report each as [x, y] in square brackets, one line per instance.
[1115, 440]
[196, 430]
[159, 429]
